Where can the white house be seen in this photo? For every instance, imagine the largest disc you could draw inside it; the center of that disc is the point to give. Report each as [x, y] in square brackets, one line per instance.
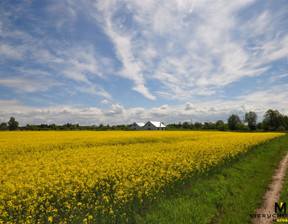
[137, 126]
[154, 125]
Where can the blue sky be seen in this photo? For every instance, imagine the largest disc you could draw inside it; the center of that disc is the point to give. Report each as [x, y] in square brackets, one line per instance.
[92, 62]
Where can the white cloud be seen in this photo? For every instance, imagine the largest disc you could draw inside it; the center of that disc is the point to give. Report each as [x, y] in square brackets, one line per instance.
[212, 110]
[278, 77]
[9, 52]
[29, 85]
[122, 43]
[94, 90]
[189, 106]
[115, 109]
[77, 63]
[279, 49]
[274, 96]
[104, 102]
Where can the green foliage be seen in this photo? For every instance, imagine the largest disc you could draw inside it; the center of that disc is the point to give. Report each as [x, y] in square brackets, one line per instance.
[272, 120]
[3, 126]
[251, 119]
[233, 120]
[284, 191]
[223, 127]
[218, 123]
[281, 128]
[187, 125]
[209, 125]
[241, 127]
[198, 125]
[285, 122]
[13, 124]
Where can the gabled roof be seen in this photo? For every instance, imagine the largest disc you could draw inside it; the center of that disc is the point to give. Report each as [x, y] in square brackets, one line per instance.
[157, 124]
[140, 124]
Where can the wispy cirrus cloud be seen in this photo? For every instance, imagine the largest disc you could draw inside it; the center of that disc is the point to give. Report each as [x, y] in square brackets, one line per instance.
[275, 96]
[29, 85]
[36, 53]
[191, 47]
[122, 41]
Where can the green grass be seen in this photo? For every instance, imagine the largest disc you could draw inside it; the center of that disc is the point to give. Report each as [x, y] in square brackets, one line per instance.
[284, 192]
[228, 194]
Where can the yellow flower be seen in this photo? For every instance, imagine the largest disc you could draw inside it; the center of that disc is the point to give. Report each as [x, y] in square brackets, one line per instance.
[90, 217]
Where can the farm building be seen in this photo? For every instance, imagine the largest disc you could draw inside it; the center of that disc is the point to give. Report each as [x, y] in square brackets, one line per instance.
[137, 126]
[154, 125]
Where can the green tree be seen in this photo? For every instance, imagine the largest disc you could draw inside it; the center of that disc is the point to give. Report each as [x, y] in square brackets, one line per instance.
[240, 126]
[223, 127]
[198, 125]
[272, 120]
[12, 124]
[233, 120]
[209, 125]
[186, 125]
[251, 119]
[285, 121]
[219, 122]
[53, 126]
[3, 126]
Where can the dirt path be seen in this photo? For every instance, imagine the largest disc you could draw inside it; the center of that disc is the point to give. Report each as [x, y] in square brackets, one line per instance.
[273, 194]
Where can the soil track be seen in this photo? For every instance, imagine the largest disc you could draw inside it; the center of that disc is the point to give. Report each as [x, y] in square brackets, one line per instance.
[273, 194]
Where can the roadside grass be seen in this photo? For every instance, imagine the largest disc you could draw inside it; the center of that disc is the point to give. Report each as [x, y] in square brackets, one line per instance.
[227, 194]
[284, 192]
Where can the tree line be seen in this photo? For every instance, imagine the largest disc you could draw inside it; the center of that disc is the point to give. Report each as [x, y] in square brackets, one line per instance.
[272, 121]
[13, 125]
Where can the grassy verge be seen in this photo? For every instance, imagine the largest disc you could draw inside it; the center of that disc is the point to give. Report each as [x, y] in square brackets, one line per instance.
[284, 194]
[228, 194]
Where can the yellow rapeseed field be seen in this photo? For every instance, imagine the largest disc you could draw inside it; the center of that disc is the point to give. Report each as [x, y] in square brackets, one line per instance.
[98, 177]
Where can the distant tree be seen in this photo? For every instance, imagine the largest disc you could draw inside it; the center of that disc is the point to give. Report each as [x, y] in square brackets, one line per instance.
[259, 125]
[44, 127]
[3, 126]
[29, 127]
[281, 128]
[241, 126]
[186, 125]
[12, 124]
[219, 122]
[233, 120]
[285, 122]
[212, 125]
[272, 120]
[198, 125]
[223, 127]
[251, 119]
[206, 125]
[209, 125]
[53, 126]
